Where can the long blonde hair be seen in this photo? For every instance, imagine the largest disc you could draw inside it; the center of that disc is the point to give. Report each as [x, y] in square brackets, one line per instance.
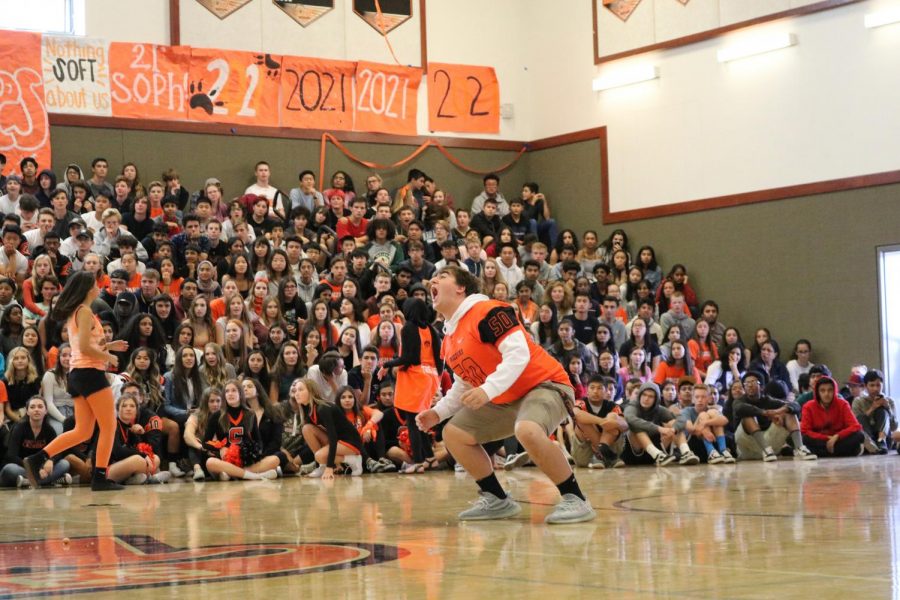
[31, 375]
[315, 396]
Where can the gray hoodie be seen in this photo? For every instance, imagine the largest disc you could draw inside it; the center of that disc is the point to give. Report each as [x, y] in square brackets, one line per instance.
[647, 420]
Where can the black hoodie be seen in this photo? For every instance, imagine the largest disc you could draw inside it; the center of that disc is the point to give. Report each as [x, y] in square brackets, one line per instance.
[416, 313]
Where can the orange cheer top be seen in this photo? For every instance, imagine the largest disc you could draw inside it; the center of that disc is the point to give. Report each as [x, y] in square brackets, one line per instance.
[417, 384]
[473, 354]
[79, 360]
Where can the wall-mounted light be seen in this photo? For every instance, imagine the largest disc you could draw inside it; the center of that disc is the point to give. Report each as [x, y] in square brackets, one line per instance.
[756, 45]
[625, 76]
[882, 17]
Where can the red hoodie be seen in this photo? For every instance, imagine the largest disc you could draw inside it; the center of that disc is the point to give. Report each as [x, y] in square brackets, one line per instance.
[821, 423]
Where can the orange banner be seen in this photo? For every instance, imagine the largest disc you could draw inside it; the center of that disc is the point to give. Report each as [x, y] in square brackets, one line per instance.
[149, 81]
[386, 98]
[229, 86]
[317, 94]
[463, 98]
[24, 130]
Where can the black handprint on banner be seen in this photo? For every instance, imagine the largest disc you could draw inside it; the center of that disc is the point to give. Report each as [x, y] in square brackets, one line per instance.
[201, 99]
[273, 67]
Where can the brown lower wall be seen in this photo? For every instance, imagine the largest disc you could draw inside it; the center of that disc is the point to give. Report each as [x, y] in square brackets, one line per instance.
[231, 159]
[803, 267]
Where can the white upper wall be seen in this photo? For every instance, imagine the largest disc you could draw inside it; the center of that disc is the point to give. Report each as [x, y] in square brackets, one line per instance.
[823, 109]
[260, 26]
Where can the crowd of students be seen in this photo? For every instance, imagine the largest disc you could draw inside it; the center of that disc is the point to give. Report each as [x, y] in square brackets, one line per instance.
[264, 332]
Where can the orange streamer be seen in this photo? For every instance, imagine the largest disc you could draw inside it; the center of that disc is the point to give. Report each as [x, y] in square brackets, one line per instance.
[379, 19]
[425, 145]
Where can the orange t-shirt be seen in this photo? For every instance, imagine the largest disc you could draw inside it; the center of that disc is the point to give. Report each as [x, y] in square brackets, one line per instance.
[666, 373]
[217, 308]
[473, 354]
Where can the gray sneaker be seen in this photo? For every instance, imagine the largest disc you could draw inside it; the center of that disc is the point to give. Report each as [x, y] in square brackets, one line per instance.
[489, 506]
[596, 463]
[516, 460]
[571, 509]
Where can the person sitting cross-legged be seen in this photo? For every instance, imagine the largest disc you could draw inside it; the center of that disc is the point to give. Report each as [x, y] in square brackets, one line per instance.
[706, 423]
[598, 442]
[766, 421]
[828, 424]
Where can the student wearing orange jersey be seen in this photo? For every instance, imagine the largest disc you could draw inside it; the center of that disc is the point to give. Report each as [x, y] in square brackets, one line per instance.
[505, 385]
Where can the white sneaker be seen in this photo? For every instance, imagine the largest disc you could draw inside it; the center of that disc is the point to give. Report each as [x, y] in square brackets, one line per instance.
[22, 482]
[161, 477]
[689, 458]
[308, 468]
[715, 458]
[458, 468]
[355, 463]
[223, 476]
[769, 455]
[174, 470]
[66, 480]
[317, 472]
[137, 479]
[728, 457]
[803, 453]
[270, 474]
[199, 475]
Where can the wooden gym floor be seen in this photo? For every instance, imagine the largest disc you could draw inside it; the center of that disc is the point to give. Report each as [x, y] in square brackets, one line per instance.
[783, 530]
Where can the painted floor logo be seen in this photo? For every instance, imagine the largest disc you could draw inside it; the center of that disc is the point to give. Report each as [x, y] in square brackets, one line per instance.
[103, 564]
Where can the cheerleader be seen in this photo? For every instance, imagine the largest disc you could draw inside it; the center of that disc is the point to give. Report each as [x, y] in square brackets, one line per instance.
[417, 379]
[327, 432]
[134, 460]
[366, 419]
[91, 392]
[232, 434]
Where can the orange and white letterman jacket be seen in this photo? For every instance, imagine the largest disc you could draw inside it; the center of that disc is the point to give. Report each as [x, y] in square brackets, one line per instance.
[486, 346]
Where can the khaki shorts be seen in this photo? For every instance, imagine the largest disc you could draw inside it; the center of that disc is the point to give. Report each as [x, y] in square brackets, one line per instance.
[747, 448]
[542, 405]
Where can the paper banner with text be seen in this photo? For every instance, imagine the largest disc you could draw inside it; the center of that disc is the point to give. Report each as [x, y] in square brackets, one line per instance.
[24, 130]
[76, 75]
[230, 86]
[317, 94]
[386, 98]
[463, 98]
[149, 81]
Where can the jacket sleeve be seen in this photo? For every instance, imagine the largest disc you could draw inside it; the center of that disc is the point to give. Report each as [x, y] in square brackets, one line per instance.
[637, 424]
[170, 408]
[743, 409]
[14, 444]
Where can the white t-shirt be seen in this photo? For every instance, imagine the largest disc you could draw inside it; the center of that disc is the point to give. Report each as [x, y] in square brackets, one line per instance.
[269, 193]
[7, 206]
[21, 262]
[34, 238]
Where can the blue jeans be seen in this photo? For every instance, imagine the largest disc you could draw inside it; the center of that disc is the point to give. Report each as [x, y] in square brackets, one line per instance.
[547, 232]
[9, 476]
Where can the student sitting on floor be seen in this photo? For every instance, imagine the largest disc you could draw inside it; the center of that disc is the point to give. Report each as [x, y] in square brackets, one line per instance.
[766, 422]
[705, 422]
[876, 413]
[651, 431]
[27, 437]
[828, 425]
[598, 442]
